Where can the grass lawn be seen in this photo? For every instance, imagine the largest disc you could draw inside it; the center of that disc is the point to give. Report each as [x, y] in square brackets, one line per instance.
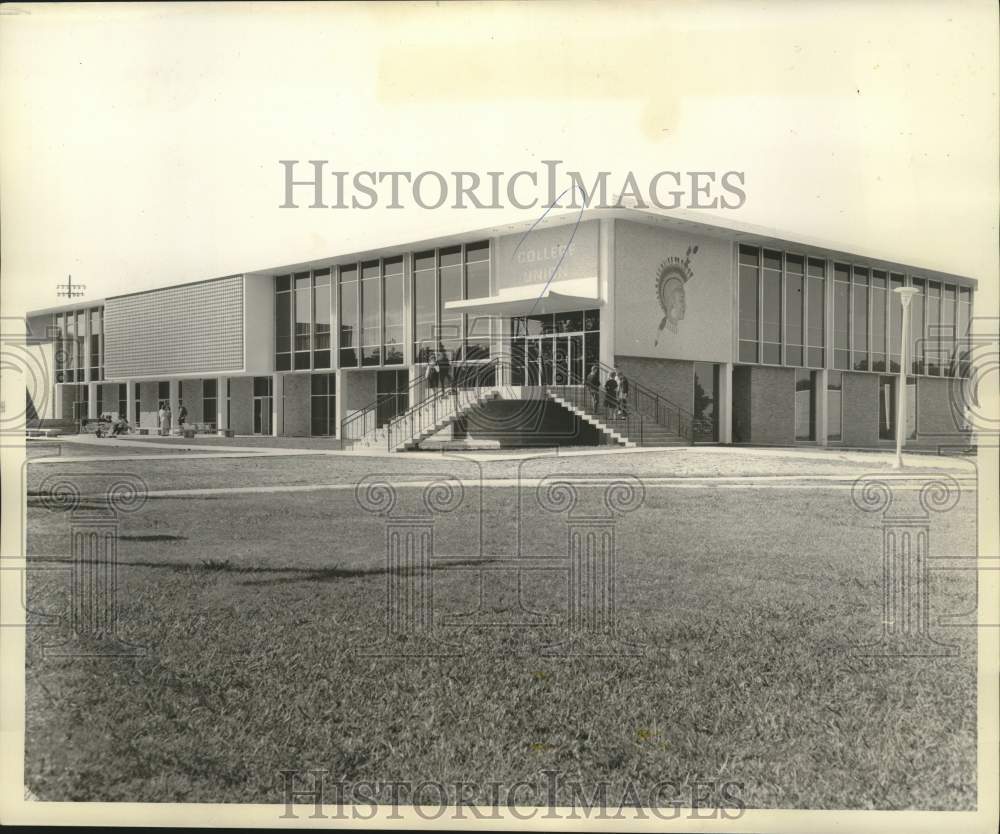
[259, 614]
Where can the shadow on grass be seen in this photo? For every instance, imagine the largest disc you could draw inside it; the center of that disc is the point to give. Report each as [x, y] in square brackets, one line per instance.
[283, 575]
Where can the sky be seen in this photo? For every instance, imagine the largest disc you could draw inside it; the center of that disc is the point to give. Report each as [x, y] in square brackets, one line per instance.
[141, 143]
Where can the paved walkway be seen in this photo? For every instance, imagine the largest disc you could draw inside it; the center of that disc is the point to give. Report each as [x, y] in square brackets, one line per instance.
[173, 448]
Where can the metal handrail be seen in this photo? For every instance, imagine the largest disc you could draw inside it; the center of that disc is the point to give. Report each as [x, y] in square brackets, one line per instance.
[593, 402]
[441, 404]
[365, 421]
[648, 403]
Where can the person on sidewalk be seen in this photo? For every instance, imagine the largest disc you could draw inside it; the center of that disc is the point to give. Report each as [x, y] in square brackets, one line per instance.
[161, 418]
[165, 424]
[182, 415]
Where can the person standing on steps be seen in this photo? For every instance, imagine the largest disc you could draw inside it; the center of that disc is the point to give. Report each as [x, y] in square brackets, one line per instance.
[611, 395]
[593, 383]
[444, 368]
[623, 389]
[431, 375]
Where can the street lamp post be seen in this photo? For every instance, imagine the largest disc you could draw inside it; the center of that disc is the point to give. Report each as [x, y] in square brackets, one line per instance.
[905, 295]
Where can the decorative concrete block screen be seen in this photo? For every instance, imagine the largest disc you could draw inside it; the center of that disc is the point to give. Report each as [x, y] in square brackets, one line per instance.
[194, 328]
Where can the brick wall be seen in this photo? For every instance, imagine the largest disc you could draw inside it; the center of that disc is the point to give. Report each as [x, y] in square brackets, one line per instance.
[241, 404]
[148, 405]
[297, 406]
[672, 379]
[192, 392]
[860, 398]
[772, 406]
[937, 423]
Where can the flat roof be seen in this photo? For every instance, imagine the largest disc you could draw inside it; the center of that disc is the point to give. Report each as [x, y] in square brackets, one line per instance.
[684, 220]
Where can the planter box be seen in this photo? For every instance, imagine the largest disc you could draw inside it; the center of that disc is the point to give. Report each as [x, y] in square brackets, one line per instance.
[227, 433]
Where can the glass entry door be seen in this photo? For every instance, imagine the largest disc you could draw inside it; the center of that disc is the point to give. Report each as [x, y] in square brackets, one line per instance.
[261, 415]
[262, 405]
[554, 349]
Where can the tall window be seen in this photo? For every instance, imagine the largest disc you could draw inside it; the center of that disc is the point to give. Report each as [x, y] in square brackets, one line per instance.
[794, 303]
[834, 406]
[302, 321]
[100, 400]
[932, 323]
[917, 327]
[371, 338]
[749, 303]
[321, 318]
[323, 401]
[451, 274]
[771, 310]
[964, 318]
[451, 283]
[859, 332]
[210, 400]
[878, 351]
[163, 391]
[841, 316]
[283, 323]
[895, 313]
[816, 301]
[138, 405]
[706, 402]
[477, 285]
[393, 311]
[81, 344]
[348, 303]
[946, 334]
[122, 399]
[95, 344]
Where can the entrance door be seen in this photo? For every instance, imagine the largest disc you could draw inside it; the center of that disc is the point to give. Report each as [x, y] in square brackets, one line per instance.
[262, 405]
[261, 415]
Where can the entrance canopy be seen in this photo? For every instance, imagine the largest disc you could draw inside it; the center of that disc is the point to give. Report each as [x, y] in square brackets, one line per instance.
[556, 297]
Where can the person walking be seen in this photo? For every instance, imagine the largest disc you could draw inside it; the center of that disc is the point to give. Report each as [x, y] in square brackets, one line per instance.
[611, 394]
[623, 389]
[161, 418]
[182, 415]
[166, 419]
[593, 383]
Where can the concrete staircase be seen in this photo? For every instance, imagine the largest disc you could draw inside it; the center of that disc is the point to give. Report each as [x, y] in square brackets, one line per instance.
[455, 406]
[615, 433]
[630, 432]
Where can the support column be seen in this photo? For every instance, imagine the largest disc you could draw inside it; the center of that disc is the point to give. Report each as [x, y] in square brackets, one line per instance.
[339, 401]
[130, 402]
[222, 412]
[175, 405]
[726, 402]
[606, 289]
[57, 402]
[92, 400]
[821, 415]
[277, 404]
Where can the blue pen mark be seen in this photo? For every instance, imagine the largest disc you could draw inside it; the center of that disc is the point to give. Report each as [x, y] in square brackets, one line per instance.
[576, 225]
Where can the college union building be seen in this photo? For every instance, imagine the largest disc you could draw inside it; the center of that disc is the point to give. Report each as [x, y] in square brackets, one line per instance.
[725, 334]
